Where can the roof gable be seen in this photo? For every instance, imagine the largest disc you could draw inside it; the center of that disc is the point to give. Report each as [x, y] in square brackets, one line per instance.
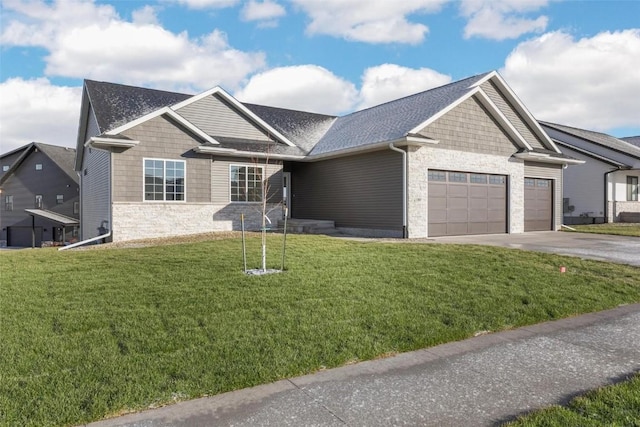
[62, 157]
[392, 120]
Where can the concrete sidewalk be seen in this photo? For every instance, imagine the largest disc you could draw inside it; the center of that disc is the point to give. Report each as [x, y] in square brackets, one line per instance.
[481, 381]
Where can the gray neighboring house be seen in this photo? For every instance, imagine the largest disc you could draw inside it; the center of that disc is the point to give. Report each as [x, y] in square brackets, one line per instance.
[464, 158]
[40, 196]
[635, 140]
[605, 188]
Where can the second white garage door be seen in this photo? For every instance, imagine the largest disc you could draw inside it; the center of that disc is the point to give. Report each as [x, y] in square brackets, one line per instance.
[466, 203]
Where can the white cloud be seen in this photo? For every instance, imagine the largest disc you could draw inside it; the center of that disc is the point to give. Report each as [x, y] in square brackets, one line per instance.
[205, 4]
[368, 21]
[304, 87]
[502, 19]
[389, 81]
[313, 88]
[146, 15]
[86, 40]
[266, 12]
[36, 110]
[591, 83]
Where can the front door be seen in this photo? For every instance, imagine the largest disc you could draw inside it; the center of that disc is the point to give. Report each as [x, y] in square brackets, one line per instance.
[286, 194]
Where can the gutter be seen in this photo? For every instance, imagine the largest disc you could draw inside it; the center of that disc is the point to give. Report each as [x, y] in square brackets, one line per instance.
[84, 242]
[404, 188]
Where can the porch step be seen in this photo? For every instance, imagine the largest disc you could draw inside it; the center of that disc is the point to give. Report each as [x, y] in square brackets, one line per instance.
[309, 226]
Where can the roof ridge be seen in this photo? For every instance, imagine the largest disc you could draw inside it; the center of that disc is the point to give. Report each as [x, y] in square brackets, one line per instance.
[138, 87]
[418, 93]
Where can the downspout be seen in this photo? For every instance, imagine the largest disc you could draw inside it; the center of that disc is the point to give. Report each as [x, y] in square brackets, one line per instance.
[84, 242]
[404, 188]
[606, 195]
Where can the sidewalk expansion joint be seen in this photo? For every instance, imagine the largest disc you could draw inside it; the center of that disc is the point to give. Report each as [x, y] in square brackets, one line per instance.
[326, 408]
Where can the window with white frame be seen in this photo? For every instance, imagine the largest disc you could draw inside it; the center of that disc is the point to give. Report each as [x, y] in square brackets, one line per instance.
[632, 188]
[246, 183]
[38, 166]
[164, 180]
[8, 203]
[38, 201]
[59, 199]
[5, 168]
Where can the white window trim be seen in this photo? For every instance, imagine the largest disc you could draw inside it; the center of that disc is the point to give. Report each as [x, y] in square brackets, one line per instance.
[164, 174]
[250, 165]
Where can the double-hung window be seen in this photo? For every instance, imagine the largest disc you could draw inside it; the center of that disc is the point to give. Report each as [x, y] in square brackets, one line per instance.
[164, 180]
[8, 203]
[246, 183]
[632, 188]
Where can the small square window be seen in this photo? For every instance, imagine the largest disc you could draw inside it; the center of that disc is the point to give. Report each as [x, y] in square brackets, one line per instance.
[5, 168]
[477, 178]
[38, 166]
[437, 176]
[59, 199]
[457, 177]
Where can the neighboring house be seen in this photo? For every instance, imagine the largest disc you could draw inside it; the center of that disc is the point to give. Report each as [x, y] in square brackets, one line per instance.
[40, 196]
[464, 158]
[605, 188]
[635, 140]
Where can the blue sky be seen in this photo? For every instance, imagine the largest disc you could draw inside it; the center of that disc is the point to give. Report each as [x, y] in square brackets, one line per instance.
[571, 62]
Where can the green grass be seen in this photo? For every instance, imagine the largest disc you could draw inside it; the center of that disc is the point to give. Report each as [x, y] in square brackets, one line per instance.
[616, 405]
[89, 334]
[619, 228]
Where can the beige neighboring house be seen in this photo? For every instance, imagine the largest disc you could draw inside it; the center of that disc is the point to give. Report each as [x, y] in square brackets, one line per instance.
[464, 158]
[605, 188]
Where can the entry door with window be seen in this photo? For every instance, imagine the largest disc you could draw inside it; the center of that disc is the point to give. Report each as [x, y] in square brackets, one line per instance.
[286, 194]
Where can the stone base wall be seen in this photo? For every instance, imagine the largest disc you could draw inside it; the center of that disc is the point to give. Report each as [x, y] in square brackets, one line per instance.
[623, 211]
[148, 220]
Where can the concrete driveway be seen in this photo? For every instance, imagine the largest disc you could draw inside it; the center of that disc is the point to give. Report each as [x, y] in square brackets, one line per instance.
[602, 247]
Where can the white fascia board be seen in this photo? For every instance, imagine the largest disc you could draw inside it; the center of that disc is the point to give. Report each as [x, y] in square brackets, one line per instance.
[98, 142]
[510, 94]
[237, 104]
[193, 128]
[486, 78]
[401, 142]
[138, 121]
[546, 158]
[247, 154]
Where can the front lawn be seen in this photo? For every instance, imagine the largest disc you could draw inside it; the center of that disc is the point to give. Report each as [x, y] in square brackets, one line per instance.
[615, 405]
[95, 333]
[620, 228]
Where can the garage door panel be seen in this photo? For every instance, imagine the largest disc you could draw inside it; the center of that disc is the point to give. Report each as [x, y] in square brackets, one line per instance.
[474, 204]
[458, 190]
[538, 204]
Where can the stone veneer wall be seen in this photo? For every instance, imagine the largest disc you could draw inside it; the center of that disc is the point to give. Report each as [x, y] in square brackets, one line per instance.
[616, 208]
[425, 158]
[148, 220]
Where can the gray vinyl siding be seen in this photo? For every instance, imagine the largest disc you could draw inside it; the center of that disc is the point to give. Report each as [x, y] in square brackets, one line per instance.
[160, 139]
[554, 172]
[25, 183]
[8, 161]
[92, 125]
[217, 118]
[512, 114]
[95, 179]
[469, 127]
[361, 191]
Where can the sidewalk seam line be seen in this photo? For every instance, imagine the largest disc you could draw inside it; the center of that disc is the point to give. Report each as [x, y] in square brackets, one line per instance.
[314, 399]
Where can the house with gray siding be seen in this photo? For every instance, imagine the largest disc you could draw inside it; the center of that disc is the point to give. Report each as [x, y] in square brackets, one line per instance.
[40, 199]
[605, 188]
[464, 158]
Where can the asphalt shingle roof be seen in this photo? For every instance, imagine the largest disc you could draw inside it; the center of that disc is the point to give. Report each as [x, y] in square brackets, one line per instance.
[64, 157]
[635, 140]
[115, 105]
[392, 120]
[597, 138]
